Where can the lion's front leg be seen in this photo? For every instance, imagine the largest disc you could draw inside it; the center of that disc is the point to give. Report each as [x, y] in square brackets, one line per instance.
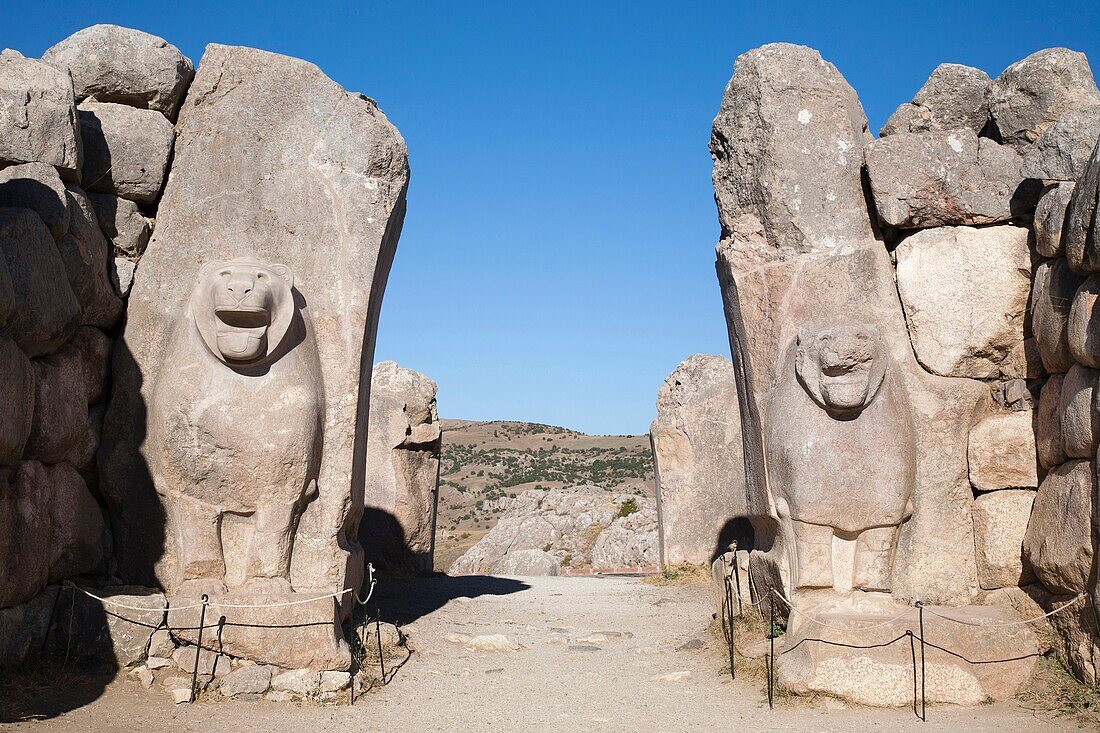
[272, 540]
[874, 556]
[814, 549]
[198, 531]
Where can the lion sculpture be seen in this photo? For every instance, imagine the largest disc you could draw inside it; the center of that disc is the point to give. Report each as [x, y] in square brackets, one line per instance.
[235, 426]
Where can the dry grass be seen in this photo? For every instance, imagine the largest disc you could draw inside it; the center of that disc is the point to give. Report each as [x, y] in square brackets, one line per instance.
[1052, 689]
[683, 574]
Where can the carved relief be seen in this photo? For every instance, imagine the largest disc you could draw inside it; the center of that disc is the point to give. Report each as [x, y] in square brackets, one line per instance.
[841, 456]
[235, 425]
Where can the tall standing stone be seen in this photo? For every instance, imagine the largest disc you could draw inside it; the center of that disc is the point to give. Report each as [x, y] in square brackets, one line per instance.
[699, 461]
[276, 164]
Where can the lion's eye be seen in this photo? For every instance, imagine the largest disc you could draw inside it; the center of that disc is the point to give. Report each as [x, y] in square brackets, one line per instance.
[224, 273]
[261, 276]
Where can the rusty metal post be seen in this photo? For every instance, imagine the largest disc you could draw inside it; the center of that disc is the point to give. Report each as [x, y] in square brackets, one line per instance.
[198, 649]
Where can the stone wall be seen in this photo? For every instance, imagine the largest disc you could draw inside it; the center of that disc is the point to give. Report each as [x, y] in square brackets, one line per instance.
[85, 144]
[898, 375]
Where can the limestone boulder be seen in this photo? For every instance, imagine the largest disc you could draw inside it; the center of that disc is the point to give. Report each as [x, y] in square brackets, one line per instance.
[46, 311]
[1048, 424]
[122, 223]
[93, 349]
[17, 381]
[990, 661]
[23, 627]
[1001, 452]
[37, 186]
[1076, 636]
[1060, 542]
[87, 258]
[1082, 247]
[1062, 151]
[126, 150]
[1050, 219]
[1083, 325]
[1000, 523]
[76, 538]
[699, 460]
[116, 64]
[82, 456]
[24, 532]
[403, 447]
[253, 679]
[1052, 296]
[38, 116]
[7, 290]
[60, 406]
[1032, 94]
[788, 149]
[526, 562]
[628, 542]
[965, 294]
[946, 178]
[1077, 413]
[106, 632]
[954, 97]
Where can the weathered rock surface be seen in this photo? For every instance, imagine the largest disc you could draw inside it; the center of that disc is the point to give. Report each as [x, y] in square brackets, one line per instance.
[115, 64]
[1000, 523]
[87, 258]
[37, 186]
[253, 679]
[38, 116]
[1083, 325]
[883, 676]
[965, 294]
[403, 447]
[98, 630]
[526, 562]
[955, 96]
[934, 179]
[1001, 452]
[277, 164]
[23, 627]
[1062, 151]
[1048, 426]
[788, 148]
[60, 406]
[1032, 94]
[1082, 249]
[76, 538]
[126, 150]
[1050, 219]
[122, 223]
[568, 525]
[1060, 542]
[1052, 296]
[1077, 413]
[17, 408]
[1078, 641]
[699, 460]
[46, 310]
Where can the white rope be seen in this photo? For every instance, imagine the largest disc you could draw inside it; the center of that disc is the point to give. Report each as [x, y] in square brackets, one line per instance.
[116, 604]
[370, 592]
[1061, 608]
[817, 621]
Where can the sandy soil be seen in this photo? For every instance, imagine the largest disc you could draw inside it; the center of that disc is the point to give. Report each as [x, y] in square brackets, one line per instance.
[599, 654]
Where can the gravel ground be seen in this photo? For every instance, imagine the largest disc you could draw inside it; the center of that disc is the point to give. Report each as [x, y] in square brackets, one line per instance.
[597, 654]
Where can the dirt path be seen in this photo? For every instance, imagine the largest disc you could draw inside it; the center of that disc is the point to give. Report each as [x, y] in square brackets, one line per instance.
[598, 654]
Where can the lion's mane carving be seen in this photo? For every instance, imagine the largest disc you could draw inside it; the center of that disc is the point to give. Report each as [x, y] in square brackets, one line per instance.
[235, 428]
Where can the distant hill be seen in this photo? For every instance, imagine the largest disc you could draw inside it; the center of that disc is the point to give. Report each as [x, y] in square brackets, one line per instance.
[486, 463]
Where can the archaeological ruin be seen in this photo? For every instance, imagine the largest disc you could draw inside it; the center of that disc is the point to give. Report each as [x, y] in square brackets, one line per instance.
[203, 472]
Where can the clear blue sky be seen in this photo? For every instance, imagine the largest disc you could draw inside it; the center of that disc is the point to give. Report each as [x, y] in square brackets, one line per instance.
[557, 257]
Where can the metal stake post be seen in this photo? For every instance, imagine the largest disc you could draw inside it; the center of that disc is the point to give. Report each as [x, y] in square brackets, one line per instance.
[771, 655]
[729, 624]
[1095, 613]
[923, 709]
[198, 648]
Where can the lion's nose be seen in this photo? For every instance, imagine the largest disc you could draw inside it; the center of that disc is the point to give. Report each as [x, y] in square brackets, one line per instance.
[239, 288]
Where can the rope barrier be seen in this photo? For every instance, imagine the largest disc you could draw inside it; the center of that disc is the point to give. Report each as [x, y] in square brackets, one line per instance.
[1058, 610]
[215, 604]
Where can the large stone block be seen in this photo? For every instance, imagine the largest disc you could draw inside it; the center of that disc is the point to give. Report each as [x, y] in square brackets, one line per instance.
[122, 223]
[1083, 325]
[403, 446]
[699, 460]
[788, 149]
[1082, 247]
[1000, 523]
[87, 258]
[115, 64]
[60, 406]
[984, 659]
[254, 315]
[1001, 452]
[17, 407]
[1062, 151]
[126, 150]
[934, 179]
[106, 631]
[1077, 415]
[1032, 94]
[38, 120]
[37, 186]
[1052, 296]
[1061, 537]
[76, 521]
[1077, 637]
[23, 628]
[965, 293]
[1050, 219]
[955, 96]
[1048, 424]
[46, 310]
[24, 532]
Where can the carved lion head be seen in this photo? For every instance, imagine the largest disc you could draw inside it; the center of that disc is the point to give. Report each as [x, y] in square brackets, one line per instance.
[243, 308]
[840, 365]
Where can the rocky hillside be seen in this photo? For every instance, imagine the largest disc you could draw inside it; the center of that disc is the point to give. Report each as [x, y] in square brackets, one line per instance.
[484, 463]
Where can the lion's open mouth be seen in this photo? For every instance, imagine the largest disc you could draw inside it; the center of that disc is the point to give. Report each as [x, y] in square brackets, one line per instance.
[243, 317]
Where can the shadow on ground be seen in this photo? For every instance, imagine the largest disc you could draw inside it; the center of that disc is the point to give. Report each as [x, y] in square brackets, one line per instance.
[402, 601]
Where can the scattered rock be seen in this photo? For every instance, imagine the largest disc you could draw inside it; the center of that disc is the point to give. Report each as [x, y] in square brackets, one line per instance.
[691, 645]
[331, 681]
[954, 97]
[302, 682]
[211, 663]
[251, 679]
[485, 642]
[681, 676]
